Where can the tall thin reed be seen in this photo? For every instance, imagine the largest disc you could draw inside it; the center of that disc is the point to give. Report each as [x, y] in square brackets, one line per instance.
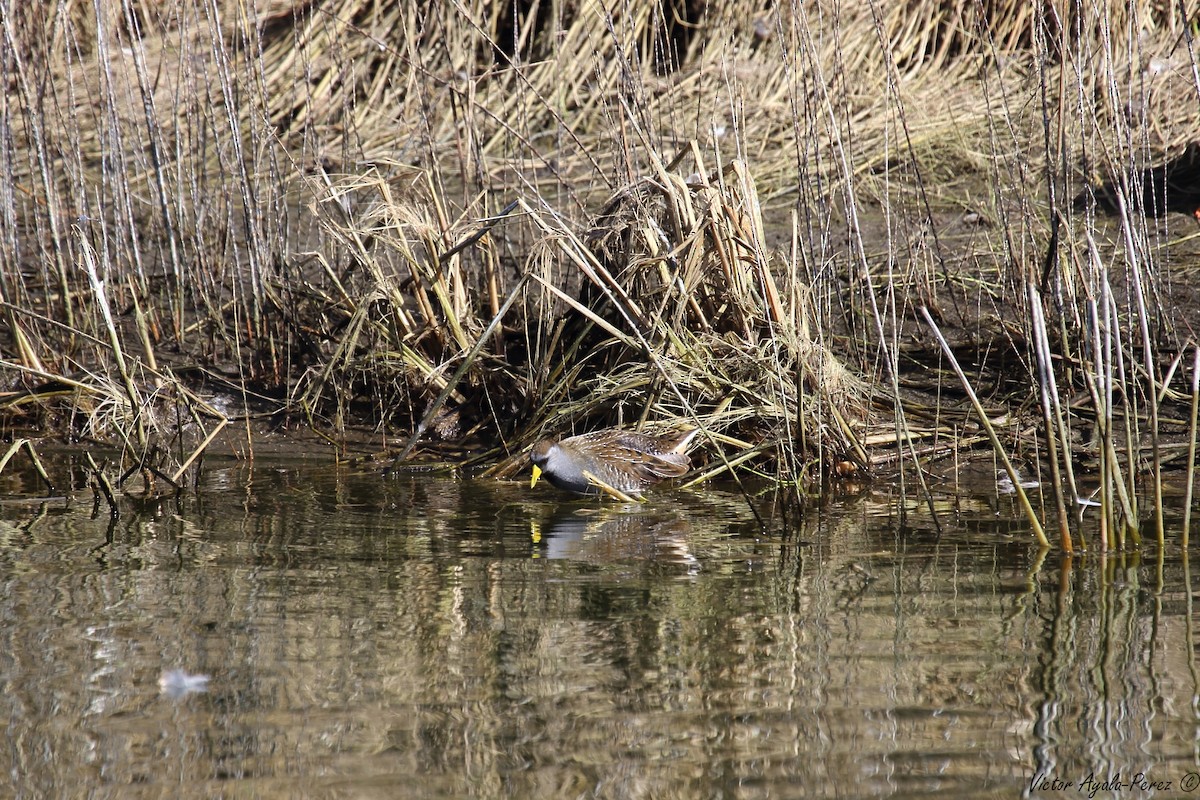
[1193, 433]
[1046, 389]
[1148, 364]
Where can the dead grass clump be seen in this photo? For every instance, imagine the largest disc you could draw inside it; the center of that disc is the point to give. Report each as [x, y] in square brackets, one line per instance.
[686, 315]
[150, 425]
[403, 308]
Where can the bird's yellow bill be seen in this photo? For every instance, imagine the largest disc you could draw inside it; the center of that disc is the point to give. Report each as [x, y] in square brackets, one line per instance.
[537, 473]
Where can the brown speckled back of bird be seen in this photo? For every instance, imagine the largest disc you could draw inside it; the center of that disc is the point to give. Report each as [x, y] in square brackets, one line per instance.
[645, 458]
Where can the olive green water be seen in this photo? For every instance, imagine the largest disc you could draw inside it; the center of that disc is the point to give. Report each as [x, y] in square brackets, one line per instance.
[421, 636]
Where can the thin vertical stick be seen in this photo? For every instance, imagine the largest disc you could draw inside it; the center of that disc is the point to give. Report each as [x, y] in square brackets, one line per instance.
[1047, 387]
[1191, 470]
[1151, 370]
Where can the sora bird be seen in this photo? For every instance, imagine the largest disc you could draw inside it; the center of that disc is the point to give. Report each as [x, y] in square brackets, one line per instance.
[626, 461]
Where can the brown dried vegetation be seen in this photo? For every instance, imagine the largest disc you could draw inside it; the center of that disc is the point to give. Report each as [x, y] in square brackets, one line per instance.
[469, 224]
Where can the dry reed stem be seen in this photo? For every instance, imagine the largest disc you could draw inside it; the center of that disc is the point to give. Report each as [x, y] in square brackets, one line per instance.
[1194, 432]
[998, 448]
[31, 451]
[1047, 389]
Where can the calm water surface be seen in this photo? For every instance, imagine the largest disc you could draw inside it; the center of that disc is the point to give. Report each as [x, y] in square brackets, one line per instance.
[420, 636]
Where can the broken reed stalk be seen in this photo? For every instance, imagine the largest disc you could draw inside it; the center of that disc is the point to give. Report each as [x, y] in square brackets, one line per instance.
[1093, 370]
[1121, 386]
[1046, 388]
[1135, 270]
[199, 450]
[102, 486]
[27, 446]
[1191, 461]
[1099, 377]
[1026, 506]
